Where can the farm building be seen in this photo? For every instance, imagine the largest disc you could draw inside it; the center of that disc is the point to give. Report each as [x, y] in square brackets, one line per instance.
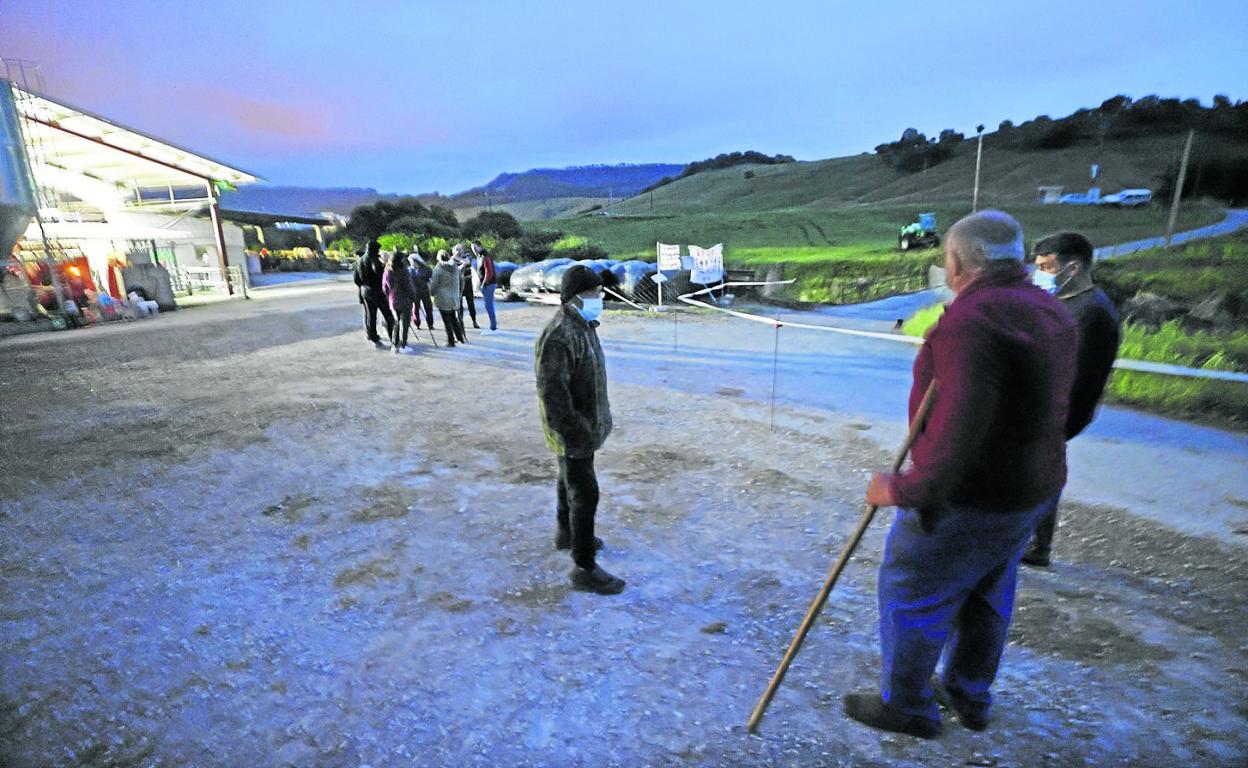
[85, 200]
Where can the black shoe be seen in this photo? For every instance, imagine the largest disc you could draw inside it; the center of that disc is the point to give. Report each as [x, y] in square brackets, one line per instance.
[976, 721]
[563, 540]
[474, 325]
[1036, 557]
[595, 580]
[450, 344]
[870, 709]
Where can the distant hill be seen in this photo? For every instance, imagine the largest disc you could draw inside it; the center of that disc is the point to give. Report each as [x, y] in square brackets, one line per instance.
[537, 193]
[617, 181]
[537, 210]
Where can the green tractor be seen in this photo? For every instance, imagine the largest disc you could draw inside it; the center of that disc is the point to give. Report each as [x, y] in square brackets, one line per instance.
[919, 234]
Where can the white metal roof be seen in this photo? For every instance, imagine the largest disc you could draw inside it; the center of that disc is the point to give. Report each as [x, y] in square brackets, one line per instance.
[85, 143]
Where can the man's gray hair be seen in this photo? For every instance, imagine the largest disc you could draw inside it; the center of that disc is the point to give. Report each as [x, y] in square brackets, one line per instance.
[986, 238]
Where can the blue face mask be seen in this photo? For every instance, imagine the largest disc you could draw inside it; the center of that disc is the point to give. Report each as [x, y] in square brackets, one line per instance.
[1048, 280]
[1044, 280]
[590, 309]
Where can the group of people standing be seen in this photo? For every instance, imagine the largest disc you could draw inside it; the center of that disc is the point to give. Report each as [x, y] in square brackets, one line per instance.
[400, 285]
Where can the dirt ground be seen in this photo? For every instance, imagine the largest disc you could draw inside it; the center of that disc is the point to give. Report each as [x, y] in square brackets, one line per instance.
[239, 536]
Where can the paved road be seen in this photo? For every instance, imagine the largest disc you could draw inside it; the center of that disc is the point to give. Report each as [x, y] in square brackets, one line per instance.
[1236, 219]
[1188, 476]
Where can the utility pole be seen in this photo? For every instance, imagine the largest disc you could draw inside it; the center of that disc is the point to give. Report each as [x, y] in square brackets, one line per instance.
[979, 154]
[1178, 187]
[214, 212]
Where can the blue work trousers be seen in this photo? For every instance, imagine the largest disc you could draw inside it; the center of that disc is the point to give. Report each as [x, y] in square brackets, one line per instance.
[487, 293]
[949, 590]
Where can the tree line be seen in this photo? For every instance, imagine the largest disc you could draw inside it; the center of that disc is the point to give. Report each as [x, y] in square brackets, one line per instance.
[724, 160]
[408, 224]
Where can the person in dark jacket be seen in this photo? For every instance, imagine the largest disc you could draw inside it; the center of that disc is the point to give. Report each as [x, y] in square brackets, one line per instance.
[576, 419]
[368, 271]
[489, 281]
[445, 287]
[464, 261]
[421, 273]
[1064, 268]
[396, 283]
[983, 472]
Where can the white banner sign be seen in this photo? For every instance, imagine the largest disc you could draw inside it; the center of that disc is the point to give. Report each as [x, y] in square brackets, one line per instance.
[708, 264]
[669, 257]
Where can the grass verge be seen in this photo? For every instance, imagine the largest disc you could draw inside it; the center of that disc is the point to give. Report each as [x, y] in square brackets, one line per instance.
[1219, 403]
[1187, 274]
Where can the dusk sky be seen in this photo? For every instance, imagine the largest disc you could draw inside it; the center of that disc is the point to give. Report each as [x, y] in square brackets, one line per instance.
[425, 96]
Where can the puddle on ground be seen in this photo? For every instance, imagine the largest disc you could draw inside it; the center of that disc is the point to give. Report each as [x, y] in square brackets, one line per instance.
[449, 602]
[384, 502]
[539, 596]
[1069, 632]
[367, 573]
[290, 508]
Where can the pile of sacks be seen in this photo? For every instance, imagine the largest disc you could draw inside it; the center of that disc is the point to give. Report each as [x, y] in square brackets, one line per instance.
[631, 279]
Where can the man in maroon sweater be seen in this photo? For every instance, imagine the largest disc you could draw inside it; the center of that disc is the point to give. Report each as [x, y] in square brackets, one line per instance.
[983, 472]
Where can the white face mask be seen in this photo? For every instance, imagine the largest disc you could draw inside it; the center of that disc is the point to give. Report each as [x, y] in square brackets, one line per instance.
[591, 309]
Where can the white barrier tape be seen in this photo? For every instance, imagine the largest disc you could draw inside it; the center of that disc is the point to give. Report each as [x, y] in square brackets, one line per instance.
[1143, 366]
[688, 299]
[549, 299]
[626, 301]
[1167, 369]
[552, 300]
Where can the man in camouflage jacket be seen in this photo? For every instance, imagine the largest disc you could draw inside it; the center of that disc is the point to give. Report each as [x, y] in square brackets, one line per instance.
[576, 418]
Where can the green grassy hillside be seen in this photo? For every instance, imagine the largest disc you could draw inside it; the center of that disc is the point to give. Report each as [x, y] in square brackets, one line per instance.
[817, 234]
[1008, 177]
[828, 209]
[536, 210]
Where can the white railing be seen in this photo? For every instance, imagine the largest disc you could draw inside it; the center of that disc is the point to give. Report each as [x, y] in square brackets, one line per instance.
[193, 279]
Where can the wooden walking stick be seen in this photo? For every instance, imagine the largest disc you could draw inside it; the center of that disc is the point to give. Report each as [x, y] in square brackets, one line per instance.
[916, 426]
[431, 333]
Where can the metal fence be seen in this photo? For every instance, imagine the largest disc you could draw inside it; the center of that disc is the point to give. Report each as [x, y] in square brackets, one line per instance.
[193, 280]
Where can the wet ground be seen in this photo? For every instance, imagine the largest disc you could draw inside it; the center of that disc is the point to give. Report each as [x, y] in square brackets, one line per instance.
[239, 536]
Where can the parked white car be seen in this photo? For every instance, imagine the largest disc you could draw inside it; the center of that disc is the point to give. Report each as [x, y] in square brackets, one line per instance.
[1128, 198]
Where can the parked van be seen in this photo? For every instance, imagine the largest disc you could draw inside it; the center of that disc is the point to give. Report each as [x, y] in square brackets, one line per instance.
[1128, 198]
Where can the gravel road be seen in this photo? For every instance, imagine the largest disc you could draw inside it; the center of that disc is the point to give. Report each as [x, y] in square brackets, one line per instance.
[239, 536]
